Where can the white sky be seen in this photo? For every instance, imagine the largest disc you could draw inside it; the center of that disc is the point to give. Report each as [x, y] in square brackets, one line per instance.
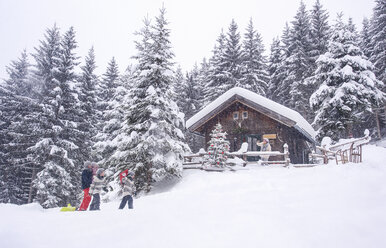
[109, 25]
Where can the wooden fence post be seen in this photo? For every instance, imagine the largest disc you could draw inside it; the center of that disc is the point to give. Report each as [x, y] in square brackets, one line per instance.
[286, 155]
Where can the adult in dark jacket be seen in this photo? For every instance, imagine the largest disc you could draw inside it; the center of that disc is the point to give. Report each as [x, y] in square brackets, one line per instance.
[86, 182]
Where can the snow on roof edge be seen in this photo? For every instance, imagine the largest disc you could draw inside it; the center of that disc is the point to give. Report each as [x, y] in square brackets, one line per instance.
[258, 99]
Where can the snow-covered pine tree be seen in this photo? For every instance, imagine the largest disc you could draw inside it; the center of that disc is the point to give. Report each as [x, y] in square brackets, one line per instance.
[280, 87]
[18, 121]
[110, 81]
[218, 148]
[179, 84]
[190, 105]
[193, 93]
[186, 89]
[365, 38]
[202, 79]
[89, 84]
[113, 92]
[232, 58]
[6, 112]
[4, 139]
[53, 183]
[275, 69]
[216, 78]
[353, 29]
[73, 118]
[378, 41]
[299, 63]
[348, 87]
[320, 32]
[286, 40]
[225, 65]
[153, 146]
[254, 64]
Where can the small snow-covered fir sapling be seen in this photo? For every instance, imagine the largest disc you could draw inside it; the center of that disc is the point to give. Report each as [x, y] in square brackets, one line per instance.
[218, 148]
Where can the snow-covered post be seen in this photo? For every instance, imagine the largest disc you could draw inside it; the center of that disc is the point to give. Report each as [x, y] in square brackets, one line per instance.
[286, 155]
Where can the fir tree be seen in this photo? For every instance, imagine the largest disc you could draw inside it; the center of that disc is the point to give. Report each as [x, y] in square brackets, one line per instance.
[365, 38]
[353, 29]
[202, 78]
[112, 96]
[186, 88]
[54, 179]
[4, 139]
[275, 69]
[348, 87]
[192, 90]
[225, 69]
[280, 91]
[89, 102]
[215, 82]
[299, 64]
[378, 41]
[179, 84]
[18, 122]
[232, 58]
[218, 148]
[320, 31]
[73, 117]
[254, 68]
[110, 80]
[153, 146]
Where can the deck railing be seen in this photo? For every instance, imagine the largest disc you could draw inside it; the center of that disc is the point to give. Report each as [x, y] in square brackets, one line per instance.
[347, 151]
[189, 164]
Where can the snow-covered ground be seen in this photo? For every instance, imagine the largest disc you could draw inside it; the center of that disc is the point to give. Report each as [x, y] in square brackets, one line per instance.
[324, 206]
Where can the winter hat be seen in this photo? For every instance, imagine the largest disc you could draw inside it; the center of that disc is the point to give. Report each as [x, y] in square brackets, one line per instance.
[87, 164]
[130, 175]
[100, 171]
[93, 164]
[266, 140]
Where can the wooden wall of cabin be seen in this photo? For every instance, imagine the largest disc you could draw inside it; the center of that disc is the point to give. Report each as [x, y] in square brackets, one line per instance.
[256, 125]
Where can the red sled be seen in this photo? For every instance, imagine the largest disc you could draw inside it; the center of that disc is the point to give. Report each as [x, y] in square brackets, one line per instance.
[121, 174]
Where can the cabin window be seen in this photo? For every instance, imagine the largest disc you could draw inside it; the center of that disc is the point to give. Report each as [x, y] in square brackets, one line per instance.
[245, 115]
[235, 115]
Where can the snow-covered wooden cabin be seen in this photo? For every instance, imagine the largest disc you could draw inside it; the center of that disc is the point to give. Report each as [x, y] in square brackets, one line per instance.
[249, 117]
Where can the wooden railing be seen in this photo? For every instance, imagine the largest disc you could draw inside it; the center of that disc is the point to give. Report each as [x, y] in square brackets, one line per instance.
[349, 151]
[285, 154]
[189, 164]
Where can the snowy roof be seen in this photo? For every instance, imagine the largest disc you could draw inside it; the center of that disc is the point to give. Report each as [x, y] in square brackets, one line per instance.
[274, 110]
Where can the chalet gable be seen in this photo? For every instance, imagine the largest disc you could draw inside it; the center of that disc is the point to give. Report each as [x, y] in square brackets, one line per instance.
[259, 103]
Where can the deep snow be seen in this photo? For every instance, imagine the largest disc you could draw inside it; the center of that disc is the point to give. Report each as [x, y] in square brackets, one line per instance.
[323, 206]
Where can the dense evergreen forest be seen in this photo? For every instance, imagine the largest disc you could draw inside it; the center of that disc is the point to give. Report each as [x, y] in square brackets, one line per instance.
[53, 118]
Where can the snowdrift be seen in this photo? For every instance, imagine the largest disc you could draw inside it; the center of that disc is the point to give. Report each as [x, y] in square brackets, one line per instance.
[324, 206]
